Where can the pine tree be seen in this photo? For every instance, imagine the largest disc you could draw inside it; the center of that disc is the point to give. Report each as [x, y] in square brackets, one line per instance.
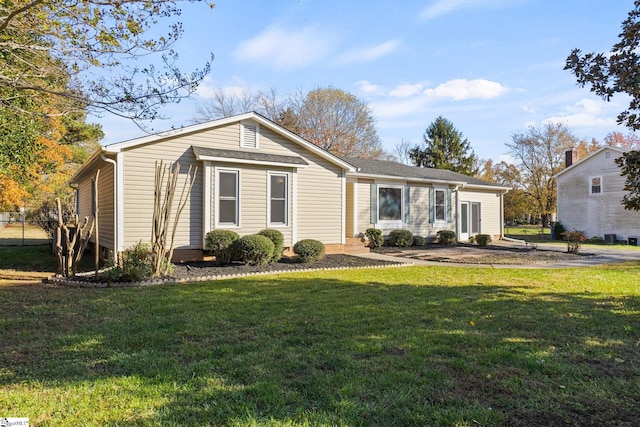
[446, 148]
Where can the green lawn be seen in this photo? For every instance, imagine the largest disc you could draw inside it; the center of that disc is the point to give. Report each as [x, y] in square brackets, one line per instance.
[15, 235]
[399, 346]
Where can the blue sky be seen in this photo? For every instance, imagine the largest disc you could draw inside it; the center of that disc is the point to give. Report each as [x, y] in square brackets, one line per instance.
[492, 67]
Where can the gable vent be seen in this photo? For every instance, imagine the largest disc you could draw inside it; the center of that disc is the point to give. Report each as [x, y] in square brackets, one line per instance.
[249, 135]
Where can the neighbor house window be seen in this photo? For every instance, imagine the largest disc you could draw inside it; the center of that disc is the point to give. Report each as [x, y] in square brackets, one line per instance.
[228, 197]
[595, 184]
[278, 199]
[389, 203]
[441, 205]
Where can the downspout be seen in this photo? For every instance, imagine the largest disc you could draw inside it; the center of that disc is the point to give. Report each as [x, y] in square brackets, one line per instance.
[115, 206]
[457, 216]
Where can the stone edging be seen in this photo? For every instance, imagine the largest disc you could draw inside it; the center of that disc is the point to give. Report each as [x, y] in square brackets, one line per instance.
[63, 281]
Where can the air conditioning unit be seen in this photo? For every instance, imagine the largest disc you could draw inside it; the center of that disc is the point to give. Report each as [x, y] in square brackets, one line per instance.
[633, 241]
[610, 238]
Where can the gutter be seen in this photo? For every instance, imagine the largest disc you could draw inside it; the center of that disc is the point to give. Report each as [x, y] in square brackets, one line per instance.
[115, 206]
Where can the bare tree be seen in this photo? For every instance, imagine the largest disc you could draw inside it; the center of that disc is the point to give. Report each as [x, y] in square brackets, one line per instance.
[402, 152]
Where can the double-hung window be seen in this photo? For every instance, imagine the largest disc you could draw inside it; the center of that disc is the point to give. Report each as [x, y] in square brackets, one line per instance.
[228, 198]
[595, 185]
[440, 205]
[278, 199]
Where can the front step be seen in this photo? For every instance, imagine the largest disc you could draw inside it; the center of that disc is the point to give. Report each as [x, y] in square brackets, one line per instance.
[355, 245]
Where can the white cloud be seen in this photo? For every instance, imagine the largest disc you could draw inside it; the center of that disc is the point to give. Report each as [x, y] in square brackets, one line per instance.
[369, 54]
[440, 8]
[461, 89]
[401, 108]
[584, 113]
[407, 90]
[369, 88]
[286, 49]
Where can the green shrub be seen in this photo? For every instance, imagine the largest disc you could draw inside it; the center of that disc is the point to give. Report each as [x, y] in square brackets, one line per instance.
[254, 249]
[446, 237]
[400, 238]
[574, 240]
[418, 241]
[558, 230]
[375, 237]
[277, 239]
[137, 262]
[483, 239]
[309, 250]
[221, 242]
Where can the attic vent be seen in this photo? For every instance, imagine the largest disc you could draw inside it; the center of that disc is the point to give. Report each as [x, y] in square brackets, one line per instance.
[607, 154]
[249, 135]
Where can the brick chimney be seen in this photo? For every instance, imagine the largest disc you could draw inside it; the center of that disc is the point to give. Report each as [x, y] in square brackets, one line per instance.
[570, 157]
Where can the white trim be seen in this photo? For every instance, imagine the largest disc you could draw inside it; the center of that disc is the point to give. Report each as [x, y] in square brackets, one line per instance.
[287, 200]
[120, 203]
[355, 208]
[595, 153]
[238, 197]
[207, 201]
[343, 234]
[406, 179]
[243, 125]
[390, 222]
[250, 162]
[441, 222]
[119, 146]
[591, 178]
[294, 212]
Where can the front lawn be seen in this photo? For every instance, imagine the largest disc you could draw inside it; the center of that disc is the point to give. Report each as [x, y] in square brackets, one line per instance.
[397, 346]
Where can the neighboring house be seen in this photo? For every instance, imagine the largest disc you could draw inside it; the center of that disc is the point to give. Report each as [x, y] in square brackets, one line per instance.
[253, 174]
[389, 195]
[590, 192]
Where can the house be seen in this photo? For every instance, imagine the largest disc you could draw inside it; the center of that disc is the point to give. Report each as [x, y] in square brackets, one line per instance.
[590, 192]
[253, 174]
[390, 195]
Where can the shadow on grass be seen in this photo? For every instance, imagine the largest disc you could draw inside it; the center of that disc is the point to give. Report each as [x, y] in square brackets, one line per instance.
[320, 350]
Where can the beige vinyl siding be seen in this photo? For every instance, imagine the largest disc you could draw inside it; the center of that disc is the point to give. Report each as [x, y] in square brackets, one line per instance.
[350, 207]
[105, 201]
[596, 214]
[253, 199]
[490, 221]
[319, 198]
[419, 209]
[139, 174]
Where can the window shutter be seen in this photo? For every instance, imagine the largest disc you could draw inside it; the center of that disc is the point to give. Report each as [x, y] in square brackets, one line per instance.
[448, 205]
[374, 204]
[250, 136]
[407, 204]
[432, 205]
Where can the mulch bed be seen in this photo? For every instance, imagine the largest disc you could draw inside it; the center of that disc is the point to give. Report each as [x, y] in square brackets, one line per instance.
[207, 268]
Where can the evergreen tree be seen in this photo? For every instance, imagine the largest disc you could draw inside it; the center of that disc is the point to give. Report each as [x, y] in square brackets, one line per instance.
[446, 148]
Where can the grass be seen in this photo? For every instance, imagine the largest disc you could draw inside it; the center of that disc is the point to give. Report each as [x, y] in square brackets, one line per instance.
[529, 233]
[399, 346]
[12, 235]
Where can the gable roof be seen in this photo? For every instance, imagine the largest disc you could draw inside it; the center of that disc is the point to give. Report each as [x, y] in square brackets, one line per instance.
[263, 121]
[390, 169]
[595, 153]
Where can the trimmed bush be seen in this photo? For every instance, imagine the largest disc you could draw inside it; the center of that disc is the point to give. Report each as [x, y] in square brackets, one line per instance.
[254, 249]
[418, 241]
[137, 262]
[558, 230]
[446, 237]
[309, 250]
[400, 238]
[574, 239]
[375, 237]
[277, 239]
[221, 242]
[483, 239]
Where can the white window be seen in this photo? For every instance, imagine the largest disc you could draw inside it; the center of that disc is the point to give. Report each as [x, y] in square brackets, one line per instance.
[595, 185]
[278, 193]
[390, 203]
[228, 198]
[249, 135]
[441, 205]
